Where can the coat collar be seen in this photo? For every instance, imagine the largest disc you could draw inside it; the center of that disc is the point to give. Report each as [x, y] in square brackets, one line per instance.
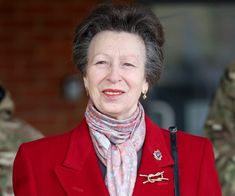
[80, 147]
[155, 141]
[80, 172]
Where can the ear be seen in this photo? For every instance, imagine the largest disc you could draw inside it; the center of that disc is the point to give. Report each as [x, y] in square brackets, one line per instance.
[145, 87]
[85, 82]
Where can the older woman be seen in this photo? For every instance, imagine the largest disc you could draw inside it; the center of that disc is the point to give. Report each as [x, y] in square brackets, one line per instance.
[116, 150]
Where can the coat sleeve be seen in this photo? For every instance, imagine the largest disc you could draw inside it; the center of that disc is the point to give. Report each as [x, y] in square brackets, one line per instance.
[208, 182]
[23, 178]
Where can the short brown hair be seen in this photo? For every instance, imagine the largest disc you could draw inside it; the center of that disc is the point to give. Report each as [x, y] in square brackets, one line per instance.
[132, 19]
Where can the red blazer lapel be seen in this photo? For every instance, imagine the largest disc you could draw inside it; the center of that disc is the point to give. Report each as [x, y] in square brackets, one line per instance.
[155, 141]
[80, 173]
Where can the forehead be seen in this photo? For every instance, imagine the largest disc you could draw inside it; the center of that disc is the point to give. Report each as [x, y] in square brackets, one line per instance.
[109, 41]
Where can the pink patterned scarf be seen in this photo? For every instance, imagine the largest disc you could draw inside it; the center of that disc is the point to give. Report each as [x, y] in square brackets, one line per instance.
[116, 144]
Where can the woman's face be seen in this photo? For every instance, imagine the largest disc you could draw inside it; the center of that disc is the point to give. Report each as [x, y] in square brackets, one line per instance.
[115, 74]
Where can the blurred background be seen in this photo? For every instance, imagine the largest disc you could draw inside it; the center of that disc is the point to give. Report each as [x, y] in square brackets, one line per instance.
[36, 60]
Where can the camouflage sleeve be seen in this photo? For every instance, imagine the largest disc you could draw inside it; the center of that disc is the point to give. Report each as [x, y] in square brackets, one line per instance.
[220, 128]
[13, 132]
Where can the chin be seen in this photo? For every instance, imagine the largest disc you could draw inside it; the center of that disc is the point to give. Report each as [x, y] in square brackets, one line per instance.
[113, 114]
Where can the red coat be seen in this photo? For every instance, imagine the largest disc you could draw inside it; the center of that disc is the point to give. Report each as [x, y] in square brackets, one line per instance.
[67, 165]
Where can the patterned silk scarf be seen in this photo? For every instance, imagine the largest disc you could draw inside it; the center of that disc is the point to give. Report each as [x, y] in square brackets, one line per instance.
[116, 144]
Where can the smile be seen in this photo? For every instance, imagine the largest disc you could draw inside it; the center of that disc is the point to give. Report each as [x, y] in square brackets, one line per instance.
[113, 92]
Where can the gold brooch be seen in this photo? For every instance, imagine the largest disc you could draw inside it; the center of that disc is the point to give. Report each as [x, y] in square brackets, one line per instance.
[157, 155]
[152, 177]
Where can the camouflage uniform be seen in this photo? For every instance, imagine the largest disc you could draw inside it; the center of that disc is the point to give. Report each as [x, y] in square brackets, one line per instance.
[220, 127]
[12, 133]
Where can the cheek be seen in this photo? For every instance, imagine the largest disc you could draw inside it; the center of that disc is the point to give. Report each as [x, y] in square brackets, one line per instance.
[136, 79]
[92, 83]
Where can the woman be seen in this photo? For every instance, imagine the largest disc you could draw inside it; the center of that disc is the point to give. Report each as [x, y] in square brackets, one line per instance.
[117, 149]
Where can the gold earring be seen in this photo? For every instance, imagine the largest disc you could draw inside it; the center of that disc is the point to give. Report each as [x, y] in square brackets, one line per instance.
[144, 95]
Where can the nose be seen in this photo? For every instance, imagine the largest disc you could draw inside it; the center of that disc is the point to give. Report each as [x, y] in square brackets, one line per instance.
[114, 74]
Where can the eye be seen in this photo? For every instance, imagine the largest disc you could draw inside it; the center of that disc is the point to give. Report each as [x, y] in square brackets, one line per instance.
[101, 62]
[129, 64]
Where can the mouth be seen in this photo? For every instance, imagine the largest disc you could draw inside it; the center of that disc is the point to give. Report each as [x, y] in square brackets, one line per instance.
[113, 92]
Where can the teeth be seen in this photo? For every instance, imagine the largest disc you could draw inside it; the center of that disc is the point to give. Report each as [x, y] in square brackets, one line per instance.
[112, 93]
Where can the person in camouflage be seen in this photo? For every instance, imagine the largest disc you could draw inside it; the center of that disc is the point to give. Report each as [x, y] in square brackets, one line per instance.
[13, 132]
[220, 128]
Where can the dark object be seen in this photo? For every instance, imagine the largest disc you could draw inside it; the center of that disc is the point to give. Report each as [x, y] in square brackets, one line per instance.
[174, 152]
[2, 93]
